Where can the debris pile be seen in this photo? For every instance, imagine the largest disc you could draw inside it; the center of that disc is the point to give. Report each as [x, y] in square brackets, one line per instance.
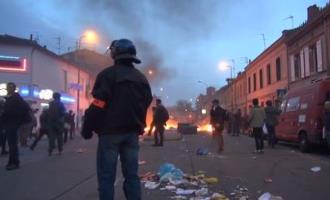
[184, 186]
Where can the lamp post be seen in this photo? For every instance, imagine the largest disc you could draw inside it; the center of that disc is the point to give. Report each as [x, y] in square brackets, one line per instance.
[90, 37]
[223, 66]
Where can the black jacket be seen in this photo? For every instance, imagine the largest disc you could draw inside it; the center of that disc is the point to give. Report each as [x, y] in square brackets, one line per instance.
[161, 116]
[218, 115]
[16, 111]
[327, 121]
[127, 96]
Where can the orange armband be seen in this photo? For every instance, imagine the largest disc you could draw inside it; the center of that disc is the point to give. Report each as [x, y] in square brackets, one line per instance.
[98, 103]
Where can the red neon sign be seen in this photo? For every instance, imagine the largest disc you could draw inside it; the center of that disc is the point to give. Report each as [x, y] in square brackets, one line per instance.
[12, 64]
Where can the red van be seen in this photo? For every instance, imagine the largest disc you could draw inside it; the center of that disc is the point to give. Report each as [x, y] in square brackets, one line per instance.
[302, 114]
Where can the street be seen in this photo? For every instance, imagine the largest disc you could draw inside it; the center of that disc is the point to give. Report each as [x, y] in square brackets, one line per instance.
[72, 176]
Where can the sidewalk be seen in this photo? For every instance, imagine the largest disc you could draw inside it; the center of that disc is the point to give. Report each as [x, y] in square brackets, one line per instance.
[72, 176]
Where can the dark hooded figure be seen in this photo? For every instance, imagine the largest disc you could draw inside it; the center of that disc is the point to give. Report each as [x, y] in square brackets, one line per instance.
[217, 120]
[15, 113]
[122, 96]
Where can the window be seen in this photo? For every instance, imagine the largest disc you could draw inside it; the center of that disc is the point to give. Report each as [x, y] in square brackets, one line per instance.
[313, 58]
[249, 84]
[293, 104]
[269, 75]
[261, 79]
[278, 69]
[254, 82]
[297, 66]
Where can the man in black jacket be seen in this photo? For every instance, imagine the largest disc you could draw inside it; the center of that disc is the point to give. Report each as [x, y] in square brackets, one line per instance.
[122, 96]
[160, 118]
[217, 120]
[16, 112]
[56, 114]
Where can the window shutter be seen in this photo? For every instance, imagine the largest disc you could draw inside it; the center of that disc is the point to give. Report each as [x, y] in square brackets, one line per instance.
[319, 56]
[307, 65]
[292, 68]
[302, 64]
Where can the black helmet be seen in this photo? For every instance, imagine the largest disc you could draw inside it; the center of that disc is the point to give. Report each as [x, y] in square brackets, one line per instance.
[124, 49]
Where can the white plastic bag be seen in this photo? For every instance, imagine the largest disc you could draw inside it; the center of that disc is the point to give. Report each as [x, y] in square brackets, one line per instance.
[264, 129]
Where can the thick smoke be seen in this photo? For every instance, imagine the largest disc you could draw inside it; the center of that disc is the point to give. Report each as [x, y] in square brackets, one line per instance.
[145, 22]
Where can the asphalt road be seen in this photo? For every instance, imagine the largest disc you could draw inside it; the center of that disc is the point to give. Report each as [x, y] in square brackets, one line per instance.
[72, 176]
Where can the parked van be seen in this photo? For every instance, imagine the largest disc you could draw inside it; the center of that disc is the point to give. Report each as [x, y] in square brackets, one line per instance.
[301, 119]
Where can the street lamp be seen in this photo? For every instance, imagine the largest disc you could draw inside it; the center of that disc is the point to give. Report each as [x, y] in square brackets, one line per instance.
[90, 37]
[225, 65]
[202, 82]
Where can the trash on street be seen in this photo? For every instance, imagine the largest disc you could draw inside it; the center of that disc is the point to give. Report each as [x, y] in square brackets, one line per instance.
[316, 169]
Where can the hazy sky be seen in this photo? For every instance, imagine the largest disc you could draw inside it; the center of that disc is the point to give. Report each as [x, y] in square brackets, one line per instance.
[183, 39]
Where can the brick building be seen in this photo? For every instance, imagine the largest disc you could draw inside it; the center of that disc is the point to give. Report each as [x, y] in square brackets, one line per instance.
[308, 48]
[266, 75]
[240, 92]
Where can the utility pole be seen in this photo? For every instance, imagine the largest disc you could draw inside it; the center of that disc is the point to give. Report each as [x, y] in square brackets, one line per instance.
[58, 45]
[264, 39]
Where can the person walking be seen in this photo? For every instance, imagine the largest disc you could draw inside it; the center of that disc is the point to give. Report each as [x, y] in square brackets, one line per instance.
[161, 116]
[72, 124]
[237, 122]
[218, 117]
[271, 121]
[56, 124]
[67, 126]
[16, 112]
[256, 121]
[43, 130]
[118, 113]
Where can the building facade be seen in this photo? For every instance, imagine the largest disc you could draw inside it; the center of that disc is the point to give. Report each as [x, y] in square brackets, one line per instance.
[308, 48]
[39, 72]
[240, 93]
[266, 76]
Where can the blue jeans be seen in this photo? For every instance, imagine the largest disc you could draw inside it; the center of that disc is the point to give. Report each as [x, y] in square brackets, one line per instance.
[126, 145]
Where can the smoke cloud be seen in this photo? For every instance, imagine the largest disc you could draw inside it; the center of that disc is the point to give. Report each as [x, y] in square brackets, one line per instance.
[146, 22]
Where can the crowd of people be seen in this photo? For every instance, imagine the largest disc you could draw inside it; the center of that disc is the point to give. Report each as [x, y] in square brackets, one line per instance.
[259, 121]
[19, 126]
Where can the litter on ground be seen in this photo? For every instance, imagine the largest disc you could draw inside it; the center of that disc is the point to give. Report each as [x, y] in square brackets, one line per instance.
[184, 186]
[316, 169]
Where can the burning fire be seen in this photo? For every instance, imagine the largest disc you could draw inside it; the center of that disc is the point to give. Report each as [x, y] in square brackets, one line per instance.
[205, 128]
[170, 124]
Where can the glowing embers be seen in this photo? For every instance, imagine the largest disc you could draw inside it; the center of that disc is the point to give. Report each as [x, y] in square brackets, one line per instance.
[12, 64]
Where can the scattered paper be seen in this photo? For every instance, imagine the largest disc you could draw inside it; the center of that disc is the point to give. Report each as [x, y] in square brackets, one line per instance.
[151, 185]
[180, 191]
[265, 196]
[268, 180]
[316, 169]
